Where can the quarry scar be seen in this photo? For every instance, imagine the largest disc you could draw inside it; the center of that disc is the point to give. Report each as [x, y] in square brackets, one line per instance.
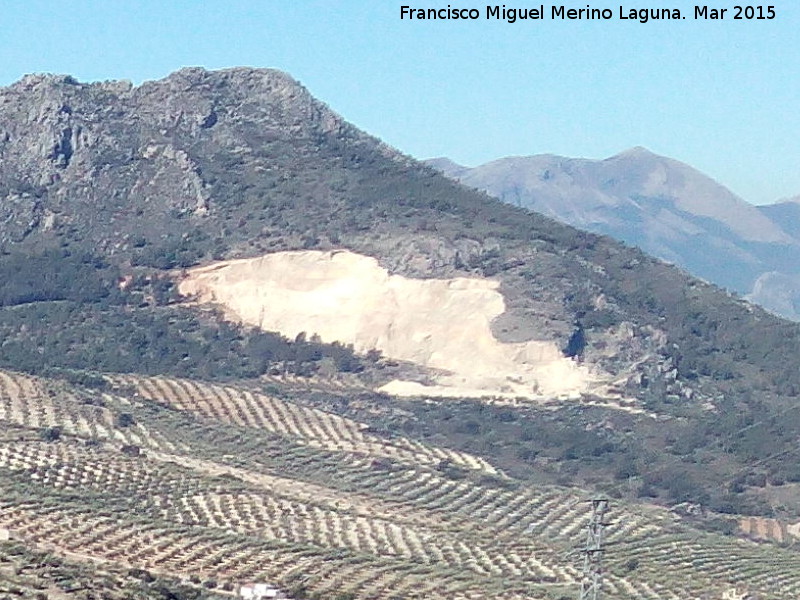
[443, 324]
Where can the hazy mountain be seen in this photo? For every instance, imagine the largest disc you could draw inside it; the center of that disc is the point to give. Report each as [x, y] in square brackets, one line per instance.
[234, 312]
[785, 214]
[663, 206]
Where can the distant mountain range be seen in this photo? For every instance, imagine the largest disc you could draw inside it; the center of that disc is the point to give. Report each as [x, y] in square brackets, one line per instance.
[665, 207]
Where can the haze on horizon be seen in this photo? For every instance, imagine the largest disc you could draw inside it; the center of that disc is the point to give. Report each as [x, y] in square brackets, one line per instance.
[720, 96]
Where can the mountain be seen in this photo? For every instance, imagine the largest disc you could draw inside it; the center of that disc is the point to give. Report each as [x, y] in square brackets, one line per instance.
[786, 214]
[663, 206]
[243, 341]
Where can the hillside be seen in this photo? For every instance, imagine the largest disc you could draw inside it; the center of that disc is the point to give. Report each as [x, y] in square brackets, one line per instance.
[663, 206]
[213, 285]
[205, 167]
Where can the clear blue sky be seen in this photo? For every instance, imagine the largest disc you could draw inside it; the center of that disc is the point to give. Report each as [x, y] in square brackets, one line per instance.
[722, 96]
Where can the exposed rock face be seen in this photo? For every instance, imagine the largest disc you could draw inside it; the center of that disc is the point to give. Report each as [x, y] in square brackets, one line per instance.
[770, 530]
[92, 152]
[201, 167]
[442, 324]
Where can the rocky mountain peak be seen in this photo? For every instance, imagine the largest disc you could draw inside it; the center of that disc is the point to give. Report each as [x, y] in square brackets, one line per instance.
[660, 204]
[34, 80]
[90, 155]
[105, 183]
[44, 106]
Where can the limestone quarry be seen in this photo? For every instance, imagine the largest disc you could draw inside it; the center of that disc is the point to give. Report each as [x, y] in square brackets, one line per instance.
[441, 324]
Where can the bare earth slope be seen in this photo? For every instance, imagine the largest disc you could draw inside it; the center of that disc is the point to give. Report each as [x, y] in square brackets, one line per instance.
[444, 324]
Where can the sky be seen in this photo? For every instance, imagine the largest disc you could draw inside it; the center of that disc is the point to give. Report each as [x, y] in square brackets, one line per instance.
[722, 96]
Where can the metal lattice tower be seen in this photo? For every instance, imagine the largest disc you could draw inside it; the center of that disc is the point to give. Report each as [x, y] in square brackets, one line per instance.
[592, 580]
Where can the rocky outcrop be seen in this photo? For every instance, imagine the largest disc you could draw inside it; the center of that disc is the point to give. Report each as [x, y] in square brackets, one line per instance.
[94, 152]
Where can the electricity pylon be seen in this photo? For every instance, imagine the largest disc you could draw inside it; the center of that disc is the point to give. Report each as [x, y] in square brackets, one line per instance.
[592, 580]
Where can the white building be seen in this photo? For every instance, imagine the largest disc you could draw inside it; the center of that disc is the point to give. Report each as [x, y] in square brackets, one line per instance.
[259, 591]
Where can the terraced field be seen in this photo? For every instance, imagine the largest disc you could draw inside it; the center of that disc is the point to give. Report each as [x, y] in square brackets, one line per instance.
[224, 484]
[36, 574]
[316, 428]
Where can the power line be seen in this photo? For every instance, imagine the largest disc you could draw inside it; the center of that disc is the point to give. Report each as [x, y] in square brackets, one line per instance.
[592, 575]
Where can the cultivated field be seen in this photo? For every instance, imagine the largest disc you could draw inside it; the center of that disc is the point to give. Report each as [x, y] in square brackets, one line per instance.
[225, 484]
